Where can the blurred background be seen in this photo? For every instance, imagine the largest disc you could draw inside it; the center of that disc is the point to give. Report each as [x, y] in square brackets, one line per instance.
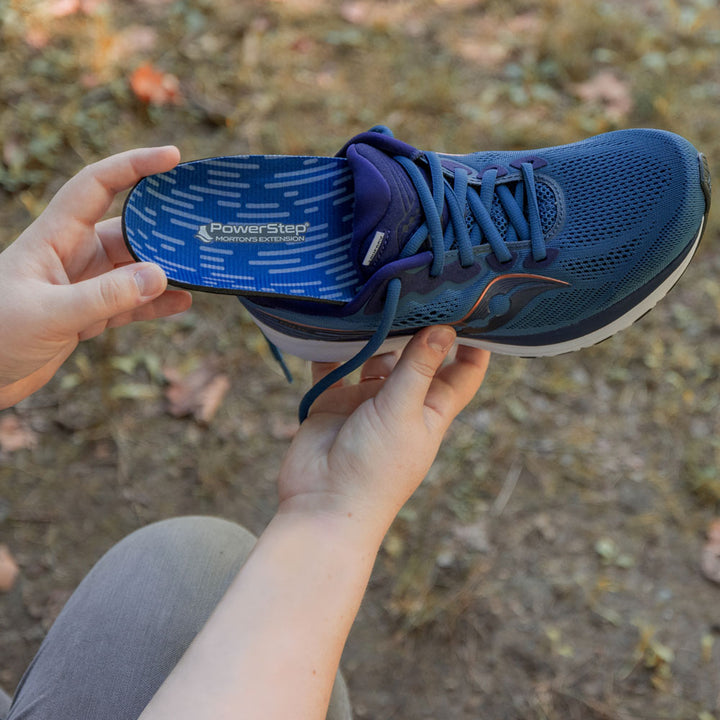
[550, 567]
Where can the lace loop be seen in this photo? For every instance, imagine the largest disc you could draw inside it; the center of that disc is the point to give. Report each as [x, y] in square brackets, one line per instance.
[521, 209]
[373, 345]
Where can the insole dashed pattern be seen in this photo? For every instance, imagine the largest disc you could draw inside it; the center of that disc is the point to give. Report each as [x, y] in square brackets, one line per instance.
[270, 224]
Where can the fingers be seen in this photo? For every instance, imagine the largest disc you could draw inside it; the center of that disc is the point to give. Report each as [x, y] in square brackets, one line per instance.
[110, 234]
[404, 392]
[416, 383]
[171, 302]
[379, 367]
[419, 383]
[87, 196]
[85, 304]
[108, 251]
[320, 369]
[456, 384]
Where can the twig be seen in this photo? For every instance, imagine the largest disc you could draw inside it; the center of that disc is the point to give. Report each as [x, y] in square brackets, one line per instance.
[507, 489]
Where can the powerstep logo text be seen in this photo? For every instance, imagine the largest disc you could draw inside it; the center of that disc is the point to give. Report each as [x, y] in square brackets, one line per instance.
[274, 232]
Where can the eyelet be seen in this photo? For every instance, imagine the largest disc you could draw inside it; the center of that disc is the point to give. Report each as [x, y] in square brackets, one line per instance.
[534, 160]
[498, 266]
[501, 170]
[531, 264]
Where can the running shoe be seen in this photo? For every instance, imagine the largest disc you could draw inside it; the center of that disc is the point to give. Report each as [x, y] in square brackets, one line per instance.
[529, 253]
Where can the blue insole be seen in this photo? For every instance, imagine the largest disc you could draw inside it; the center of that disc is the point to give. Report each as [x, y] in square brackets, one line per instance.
[254, 224]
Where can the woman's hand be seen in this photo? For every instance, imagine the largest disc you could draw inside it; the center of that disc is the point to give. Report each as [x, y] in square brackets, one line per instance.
[69, 276]
[365, 448]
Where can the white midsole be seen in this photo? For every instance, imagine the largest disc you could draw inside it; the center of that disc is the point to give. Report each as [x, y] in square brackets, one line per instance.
[339, 351]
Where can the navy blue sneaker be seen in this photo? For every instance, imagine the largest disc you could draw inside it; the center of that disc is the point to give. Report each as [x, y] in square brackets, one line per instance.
[526, 253]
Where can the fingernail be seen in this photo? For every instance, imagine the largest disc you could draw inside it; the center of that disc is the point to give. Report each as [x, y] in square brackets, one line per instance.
[150, 281]
[441, 338]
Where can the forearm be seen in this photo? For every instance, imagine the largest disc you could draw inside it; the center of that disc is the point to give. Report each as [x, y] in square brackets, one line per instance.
[272, 647]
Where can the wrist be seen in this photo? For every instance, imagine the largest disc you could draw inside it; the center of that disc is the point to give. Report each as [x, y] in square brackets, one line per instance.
[343, 523]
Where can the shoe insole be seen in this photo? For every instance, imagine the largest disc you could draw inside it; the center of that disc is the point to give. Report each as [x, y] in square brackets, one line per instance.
[259, 224]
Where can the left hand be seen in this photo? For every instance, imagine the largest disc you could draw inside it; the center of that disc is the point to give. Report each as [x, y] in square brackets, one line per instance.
[70, 276]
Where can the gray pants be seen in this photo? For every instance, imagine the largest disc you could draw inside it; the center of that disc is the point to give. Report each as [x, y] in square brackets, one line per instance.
[131, 619]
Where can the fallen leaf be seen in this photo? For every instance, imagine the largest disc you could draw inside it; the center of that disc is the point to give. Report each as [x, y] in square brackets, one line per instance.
[14, 154]
[212, 397]
[474, 536]
[606, 89]
[61, 8]
[305, 7]
[488, 54]
[303, 45]
[355, 12]
[15, 434]
[372, 14]
[155, 86]
[710, 558]
[8, 569]
[198, 393]
[130, 41]
[37, 37]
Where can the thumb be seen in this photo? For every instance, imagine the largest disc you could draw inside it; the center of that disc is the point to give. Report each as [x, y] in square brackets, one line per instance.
[408, 384]
[86, 303]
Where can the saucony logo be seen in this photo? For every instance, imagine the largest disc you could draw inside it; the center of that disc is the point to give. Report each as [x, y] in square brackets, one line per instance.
[503, 299]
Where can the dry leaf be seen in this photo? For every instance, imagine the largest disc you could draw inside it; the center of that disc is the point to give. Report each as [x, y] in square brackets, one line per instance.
[199, 393]
[371, 14]
[474, 536]
[710, 559]
[37, 37]
[130, 41]
[154, 86]
[15, 434]
[63, 8]
[306, 7]
[212, 397]
[606, 89]
[14, 154]
[488, 54]
[8, 569]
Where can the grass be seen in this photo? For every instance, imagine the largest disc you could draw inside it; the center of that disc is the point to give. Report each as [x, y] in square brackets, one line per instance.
[618, 441]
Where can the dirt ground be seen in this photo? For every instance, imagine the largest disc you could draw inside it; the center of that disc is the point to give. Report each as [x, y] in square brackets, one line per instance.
[549, 566]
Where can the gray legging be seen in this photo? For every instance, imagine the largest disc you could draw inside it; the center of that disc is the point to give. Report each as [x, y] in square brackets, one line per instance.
[131, 619]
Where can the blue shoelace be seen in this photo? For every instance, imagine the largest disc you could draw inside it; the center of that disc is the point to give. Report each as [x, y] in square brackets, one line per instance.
[521, 208]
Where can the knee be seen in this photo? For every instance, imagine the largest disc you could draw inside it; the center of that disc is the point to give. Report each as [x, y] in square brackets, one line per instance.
[194, 529]
[196, 540]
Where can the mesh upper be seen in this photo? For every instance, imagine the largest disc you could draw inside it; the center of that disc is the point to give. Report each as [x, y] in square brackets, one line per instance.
[616, 209]
[631, 202]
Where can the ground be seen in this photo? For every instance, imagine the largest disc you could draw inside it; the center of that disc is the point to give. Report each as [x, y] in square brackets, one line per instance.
[549, 566]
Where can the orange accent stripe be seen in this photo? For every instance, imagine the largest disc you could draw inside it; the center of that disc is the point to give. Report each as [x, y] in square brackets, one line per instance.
[501, 277]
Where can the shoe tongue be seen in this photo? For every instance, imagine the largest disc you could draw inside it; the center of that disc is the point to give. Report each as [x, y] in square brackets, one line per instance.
[387, 207]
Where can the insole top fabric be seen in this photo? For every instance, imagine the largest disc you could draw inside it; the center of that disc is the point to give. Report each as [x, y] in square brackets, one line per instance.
[259, 224]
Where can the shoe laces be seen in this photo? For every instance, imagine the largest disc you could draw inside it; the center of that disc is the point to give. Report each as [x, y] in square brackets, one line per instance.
[524, 224]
